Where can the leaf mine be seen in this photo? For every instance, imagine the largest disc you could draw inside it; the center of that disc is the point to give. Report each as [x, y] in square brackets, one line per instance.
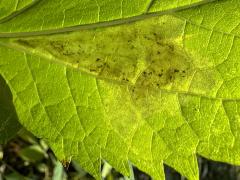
[136, 54]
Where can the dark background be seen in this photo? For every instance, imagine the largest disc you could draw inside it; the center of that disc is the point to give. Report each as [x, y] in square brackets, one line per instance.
[27, 157]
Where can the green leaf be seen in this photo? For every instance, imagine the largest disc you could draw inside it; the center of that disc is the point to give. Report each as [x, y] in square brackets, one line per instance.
[9, 8]
[225, 18]
[153, 92]
[33, 153]
[58, 172]
[14, 176]
[73, 13]
[9, 125]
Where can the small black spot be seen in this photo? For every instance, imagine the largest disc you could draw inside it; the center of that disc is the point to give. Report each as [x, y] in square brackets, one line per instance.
[158, 52]
[92, 70]
[125, 79]
[98, 59]
[176, 70]
[171, 47]
[68, 53]
[148, 38]
[159, 43]
[184, 71]
[57, 45]
[160, 75]
[158, 84]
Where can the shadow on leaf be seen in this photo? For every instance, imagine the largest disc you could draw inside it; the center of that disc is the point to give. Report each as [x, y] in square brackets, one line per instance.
[9, 124]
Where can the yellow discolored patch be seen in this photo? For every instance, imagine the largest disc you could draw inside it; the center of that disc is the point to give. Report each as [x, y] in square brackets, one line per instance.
[137, 54]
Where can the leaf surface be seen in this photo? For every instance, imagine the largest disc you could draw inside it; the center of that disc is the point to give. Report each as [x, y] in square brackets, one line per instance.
[10, 8]
[73, 13]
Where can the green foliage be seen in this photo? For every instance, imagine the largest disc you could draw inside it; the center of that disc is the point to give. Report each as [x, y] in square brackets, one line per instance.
[9, 124]
[9, 8]
[40, 17]
[158, 90]
[26, 157]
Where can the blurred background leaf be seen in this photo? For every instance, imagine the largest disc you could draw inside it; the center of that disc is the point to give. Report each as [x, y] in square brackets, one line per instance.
[28, 158]
[9, 124]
